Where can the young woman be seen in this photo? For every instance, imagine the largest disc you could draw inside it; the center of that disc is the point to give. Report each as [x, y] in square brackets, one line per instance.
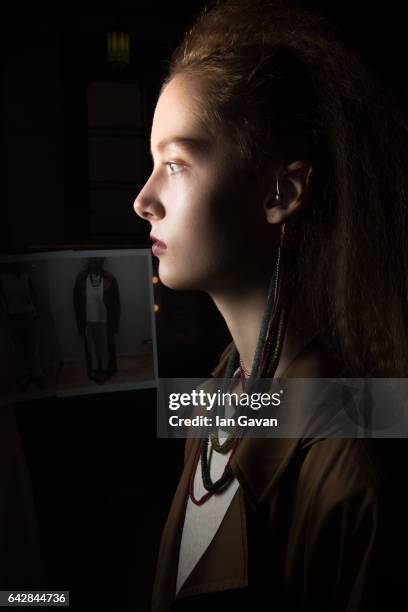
[279, 188]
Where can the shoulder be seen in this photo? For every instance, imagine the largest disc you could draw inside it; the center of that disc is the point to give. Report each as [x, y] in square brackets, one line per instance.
[110, 282]
[108, 275]
[81, 277]
[315, 360]
[344, 464]
[335, 470]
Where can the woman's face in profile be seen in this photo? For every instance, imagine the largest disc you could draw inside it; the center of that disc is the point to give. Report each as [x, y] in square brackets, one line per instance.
[199, 200]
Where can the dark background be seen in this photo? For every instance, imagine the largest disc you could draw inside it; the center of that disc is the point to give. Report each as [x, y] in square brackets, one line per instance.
[102, 482]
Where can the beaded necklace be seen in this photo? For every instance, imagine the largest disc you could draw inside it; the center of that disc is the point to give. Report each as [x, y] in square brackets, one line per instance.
[95, 279]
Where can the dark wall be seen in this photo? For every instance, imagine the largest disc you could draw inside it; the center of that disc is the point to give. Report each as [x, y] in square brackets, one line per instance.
[49, 61]
[101, 481]
[32, 107]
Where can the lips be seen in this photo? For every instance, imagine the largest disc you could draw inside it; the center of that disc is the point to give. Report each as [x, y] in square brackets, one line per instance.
[158, 247]
[158, 242]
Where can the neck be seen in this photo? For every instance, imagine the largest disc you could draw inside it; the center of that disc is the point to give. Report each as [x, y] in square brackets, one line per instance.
[243, 312]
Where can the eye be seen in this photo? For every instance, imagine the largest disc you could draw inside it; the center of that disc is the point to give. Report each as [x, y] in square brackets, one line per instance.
[174, 167]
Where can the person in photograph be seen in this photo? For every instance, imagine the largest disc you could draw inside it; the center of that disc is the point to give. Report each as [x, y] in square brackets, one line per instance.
[97, 310]
[279, 187]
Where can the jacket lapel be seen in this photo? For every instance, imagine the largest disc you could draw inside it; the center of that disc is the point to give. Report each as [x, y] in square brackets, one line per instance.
[259, 464]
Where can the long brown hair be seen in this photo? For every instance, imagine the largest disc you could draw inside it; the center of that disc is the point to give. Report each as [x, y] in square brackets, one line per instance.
[279, 78]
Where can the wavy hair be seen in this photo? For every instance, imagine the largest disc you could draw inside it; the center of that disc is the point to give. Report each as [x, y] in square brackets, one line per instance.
[279, 78]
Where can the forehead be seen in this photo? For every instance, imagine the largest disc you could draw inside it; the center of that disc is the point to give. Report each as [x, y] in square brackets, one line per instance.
[177, 111]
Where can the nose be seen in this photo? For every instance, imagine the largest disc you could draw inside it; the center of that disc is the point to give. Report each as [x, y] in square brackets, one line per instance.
[147, 205]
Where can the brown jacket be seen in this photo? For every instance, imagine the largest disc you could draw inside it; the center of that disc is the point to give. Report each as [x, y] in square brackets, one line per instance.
[305, 531]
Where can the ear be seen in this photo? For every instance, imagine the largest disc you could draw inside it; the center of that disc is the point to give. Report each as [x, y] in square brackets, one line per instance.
[292, 187]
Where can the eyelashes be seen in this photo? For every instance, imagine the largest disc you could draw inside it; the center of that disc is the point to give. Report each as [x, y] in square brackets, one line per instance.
[178, 168]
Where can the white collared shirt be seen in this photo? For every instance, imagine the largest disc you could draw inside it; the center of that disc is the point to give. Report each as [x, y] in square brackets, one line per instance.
[95, 306]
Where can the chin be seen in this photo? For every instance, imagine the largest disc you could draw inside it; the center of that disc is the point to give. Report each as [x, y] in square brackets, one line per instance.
[178, 282]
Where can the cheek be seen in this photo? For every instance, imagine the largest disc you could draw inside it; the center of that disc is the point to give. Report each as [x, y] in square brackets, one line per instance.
[208, 220]
[208, 226]
[194, 212]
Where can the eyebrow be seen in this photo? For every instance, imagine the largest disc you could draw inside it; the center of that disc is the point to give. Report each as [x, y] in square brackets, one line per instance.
[195, 145]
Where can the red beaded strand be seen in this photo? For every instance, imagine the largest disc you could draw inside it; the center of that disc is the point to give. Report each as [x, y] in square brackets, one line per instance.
[200, 502]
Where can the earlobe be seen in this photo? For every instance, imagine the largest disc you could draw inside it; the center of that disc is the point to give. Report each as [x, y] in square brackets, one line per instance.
[274, 213]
